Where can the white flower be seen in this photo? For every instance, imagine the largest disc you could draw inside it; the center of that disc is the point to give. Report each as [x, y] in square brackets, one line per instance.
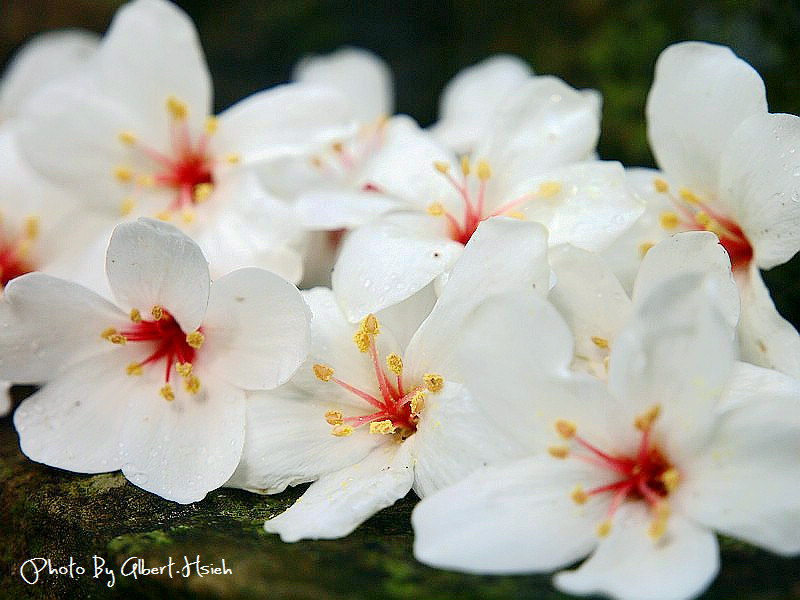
[729, 167]
[379, 407]
[132, 132]
[156, 386]
[638, 474]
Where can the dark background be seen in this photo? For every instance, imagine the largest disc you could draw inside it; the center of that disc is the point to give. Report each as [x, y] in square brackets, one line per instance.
[610, 46]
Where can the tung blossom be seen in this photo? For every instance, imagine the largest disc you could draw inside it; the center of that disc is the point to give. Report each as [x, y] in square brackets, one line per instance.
[637, 473]
[155, 385]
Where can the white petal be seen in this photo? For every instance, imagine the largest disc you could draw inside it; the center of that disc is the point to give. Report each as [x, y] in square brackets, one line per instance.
[630, 565]
[256, 328]
[404, 318]
[676, 352]
[503, 254]
[359, 74]
[765, 337]
[337, 503]
[695, 251]
[183, 449]
[283, 119]
[700, 93]
[542, 124]
[471, 96]
[75, 422]
[760, 182]
[510, 518]
[288, 441]
[339, 208]
[388, 260]
[152, 52]
[591, 209]
[42, 59]
[747, 482]
[454, 438]
[152, 263]
[49, 324]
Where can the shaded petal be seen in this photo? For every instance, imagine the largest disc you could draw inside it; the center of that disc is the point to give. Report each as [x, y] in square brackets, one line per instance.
[183, 449]
[509, 518]
[75, 422]
[256, 328]
[150, 263]
[471, 96]
[454, 438]
[700, 94]
[765, 337]
[327, 209]
[746, 483]
[690, 251]
[390, 259]
[288, 441]
[339, 502]
[628, 564]
[760, 183]
[363, 77]
[50, 324]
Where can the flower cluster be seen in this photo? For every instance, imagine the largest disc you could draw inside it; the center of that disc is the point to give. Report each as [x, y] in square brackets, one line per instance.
[563, 357]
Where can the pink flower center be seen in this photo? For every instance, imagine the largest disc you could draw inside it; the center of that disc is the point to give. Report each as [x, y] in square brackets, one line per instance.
[397, 407]
[15, 250]
[168, 344]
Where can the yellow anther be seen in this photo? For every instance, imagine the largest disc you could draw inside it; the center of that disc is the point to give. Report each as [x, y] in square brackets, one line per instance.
[316, 162]
[134, 369]
[441, 166]
[465, 165]
[548, 189]
[202, 191]
[658, 525]
[212, 123]
[31, 227]
[670, 479]
[177, 108]
[436, 209]
[323, 372]
[660, 185]
[107, 333]
[167, 393]
[184, 369]
[337, 147]
[112, 336]
[558, 451]
[136, 316]
[483, 170]
[342, 430]
[566, 429]
[195, 339]
[645, 421]
[433, 382]
[669, 220]
[157, 312]
[187, 215]
[361, 338]
[417, 402]
[382, 427]
[578, 495]
[191, 384]
[644, 248]
[334, 417]
[145, 180]
[233, 158]
[395, 364]
[370, 325]
[127, 137]
[688, 196]
[604, 528]
[164, 215]
[515, 214]
[599, 341]
[126, 206]
[123, 173]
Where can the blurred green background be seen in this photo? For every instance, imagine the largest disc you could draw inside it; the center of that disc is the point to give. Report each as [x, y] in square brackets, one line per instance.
[610, 46]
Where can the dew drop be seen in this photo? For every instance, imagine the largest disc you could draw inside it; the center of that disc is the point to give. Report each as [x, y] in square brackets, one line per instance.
[792, 150]
[796, 197]
[796, 171]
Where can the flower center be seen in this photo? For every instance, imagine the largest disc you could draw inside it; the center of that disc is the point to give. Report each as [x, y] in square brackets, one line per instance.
[168, 343]
[647, 475]
[186, 169]
[472, 191]
[343, 159]
[695, 215]
[397, 406]
[15, 250]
